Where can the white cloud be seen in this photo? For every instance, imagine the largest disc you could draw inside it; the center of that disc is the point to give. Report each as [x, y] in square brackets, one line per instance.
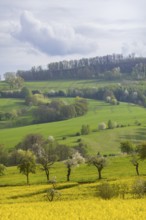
[54, 38]
[66, 29]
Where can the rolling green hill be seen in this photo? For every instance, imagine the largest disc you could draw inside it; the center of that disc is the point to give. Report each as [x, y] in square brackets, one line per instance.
[107, 141]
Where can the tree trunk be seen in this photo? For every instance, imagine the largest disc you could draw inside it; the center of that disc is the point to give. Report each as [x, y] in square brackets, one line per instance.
[137, 169]
[47, 174]
[27, 176]
[68, 173]
[99, 174]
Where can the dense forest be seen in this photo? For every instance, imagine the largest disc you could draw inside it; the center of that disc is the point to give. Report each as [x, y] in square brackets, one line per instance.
[110, 67]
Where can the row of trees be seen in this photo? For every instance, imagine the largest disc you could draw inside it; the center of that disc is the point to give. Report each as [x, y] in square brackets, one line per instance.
[113, 95]
[34, 149]
[58, 110]
[107, 67]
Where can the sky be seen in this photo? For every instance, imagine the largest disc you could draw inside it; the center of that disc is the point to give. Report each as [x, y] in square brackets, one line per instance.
[38, 32]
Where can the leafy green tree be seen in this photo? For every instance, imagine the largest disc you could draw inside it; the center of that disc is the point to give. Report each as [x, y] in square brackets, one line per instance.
[31, 142]
[27, 163]
[85, 129]
[135, 161]
[67, 111]
[126, 147]
[2, 169]
[142, 150]
[81, 107]
[62, 152]
[81, 148]
[111, 124]
[3, 155]
[2, 116]
[99, 162]
[25, 92]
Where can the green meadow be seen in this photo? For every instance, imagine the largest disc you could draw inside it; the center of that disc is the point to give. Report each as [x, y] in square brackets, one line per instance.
[66, 84]
[106, 141]
[118, 167]
[16, 195]
[9, 104]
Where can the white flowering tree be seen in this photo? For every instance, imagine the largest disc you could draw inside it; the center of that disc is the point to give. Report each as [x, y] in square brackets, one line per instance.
[102, 126]
[47, 156]
[73, 161]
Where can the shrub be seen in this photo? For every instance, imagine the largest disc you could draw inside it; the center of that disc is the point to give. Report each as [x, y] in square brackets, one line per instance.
[123, 189]
[85, 129]
[78, 134]
[107, 191]
[102, 126]
[79, 140]
[111, 124]
[139, 188]
[2, 169]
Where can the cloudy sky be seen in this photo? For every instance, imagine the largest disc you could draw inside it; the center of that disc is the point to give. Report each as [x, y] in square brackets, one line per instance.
[37, 32]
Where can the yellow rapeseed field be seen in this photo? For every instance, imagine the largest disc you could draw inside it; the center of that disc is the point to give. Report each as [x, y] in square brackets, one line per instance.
[89, 209]
[77, 202]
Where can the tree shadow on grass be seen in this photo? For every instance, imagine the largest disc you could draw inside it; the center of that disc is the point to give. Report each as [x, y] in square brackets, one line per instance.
[138, 135]
[28, 194]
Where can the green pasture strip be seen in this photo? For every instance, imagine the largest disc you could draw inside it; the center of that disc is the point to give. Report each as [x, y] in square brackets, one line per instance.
[66, 84]
[9, 104]
[107, 141]
[118, 168]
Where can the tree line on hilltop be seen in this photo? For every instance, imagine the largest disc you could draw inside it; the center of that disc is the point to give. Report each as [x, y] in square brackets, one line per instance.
[110, 67]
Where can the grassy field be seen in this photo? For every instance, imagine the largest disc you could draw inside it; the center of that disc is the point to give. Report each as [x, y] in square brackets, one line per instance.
[107, 141]
[118, 167]
[9, 104]
[78, 198]
[66, 84]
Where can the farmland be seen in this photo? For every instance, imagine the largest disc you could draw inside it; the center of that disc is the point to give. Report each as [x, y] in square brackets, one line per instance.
[106, 141]
[78, 198]
[75, 202]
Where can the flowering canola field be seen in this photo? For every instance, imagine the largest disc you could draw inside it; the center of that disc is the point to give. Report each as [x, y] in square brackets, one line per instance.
[116, 209]
[77, 202]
